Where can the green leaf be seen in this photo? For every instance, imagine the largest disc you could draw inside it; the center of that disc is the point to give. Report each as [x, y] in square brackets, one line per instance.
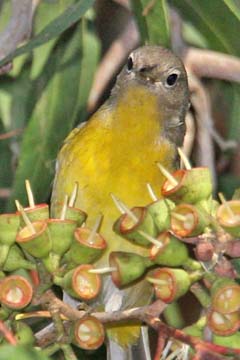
[152, 20]
[89, 61]
[216, 20]
[46, 12]
[192, 36]
[234, 6]
[52, 118]
[227, 183]
[55, 28]
[72, 67]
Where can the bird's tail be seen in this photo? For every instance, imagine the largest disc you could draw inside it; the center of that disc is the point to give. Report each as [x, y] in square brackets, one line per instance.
[138, 351]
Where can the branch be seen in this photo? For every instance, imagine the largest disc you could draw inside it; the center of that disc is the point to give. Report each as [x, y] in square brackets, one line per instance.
[111, 61]
[70, 313]
[11, 133]
[212, 64]
[18, 28]
[147, 314]
[202, 107]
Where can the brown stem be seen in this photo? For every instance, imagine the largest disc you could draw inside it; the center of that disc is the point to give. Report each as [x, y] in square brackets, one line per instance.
[154, 309]
[7, 334]
[147, 314]
[219, 65]
[201, 103]
[11, 134]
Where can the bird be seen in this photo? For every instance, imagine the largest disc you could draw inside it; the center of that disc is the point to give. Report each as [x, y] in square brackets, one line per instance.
[116, 151]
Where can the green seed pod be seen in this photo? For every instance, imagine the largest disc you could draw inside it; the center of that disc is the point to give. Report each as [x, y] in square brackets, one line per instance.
[129, 229]
[16, 290]
[228, 216]
[160, 211]
[173, 252]
[72, 213]
[23, 333]
[230, 341]
[80, 283]
[88, 333]
[9, 224]
[223, 324]
[129, 267]
[39, 244]
[85, 248]
[196, 329]
[61, 235]
[16, 260]
[170, 284]
[210, 206]
[193, 186]
[36, 213]
[188, 220]
[225, 295]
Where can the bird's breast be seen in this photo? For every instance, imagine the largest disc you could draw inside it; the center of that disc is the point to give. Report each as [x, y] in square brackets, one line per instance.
[117, 152]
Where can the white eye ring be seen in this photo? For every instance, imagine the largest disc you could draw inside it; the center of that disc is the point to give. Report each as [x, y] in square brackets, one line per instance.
[172, 79]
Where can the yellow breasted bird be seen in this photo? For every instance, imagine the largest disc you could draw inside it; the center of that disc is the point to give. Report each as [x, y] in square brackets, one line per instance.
[116, 151]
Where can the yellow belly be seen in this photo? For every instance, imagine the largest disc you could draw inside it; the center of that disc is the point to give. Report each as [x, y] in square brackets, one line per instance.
[115, 152]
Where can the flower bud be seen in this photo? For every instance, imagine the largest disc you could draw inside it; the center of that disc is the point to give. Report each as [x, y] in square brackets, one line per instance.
[228, 216]
[160, 211]
[84, 249]
[37, 244]
[193, 185]
[173, 252]
[129, 229]
[9, 224]
[80, 283]
[129, 267]
[16, 291]
[88, 333]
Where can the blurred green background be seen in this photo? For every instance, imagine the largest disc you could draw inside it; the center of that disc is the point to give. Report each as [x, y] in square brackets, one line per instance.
[46, 93]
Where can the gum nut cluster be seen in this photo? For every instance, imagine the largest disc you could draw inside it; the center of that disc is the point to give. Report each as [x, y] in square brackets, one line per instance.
[186, 234]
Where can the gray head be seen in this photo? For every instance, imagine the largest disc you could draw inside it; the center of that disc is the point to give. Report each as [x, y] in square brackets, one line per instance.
[164, 74]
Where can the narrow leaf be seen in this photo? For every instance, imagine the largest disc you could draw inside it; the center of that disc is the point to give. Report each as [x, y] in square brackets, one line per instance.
[55, 28]
[52, 118]
[215, 20]
[153, 22]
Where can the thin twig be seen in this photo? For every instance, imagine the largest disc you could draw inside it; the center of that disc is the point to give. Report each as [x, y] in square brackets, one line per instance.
[11, 134]
[146, 314]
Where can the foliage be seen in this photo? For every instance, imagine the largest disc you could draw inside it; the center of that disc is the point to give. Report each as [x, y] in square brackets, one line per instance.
[46, 93]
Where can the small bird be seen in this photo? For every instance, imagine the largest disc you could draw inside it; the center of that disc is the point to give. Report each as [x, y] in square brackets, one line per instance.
[117, 151]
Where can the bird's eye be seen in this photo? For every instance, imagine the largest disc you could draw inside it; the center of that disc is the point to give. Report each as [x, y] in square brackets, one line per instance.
[171, 80]
[129, 64]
